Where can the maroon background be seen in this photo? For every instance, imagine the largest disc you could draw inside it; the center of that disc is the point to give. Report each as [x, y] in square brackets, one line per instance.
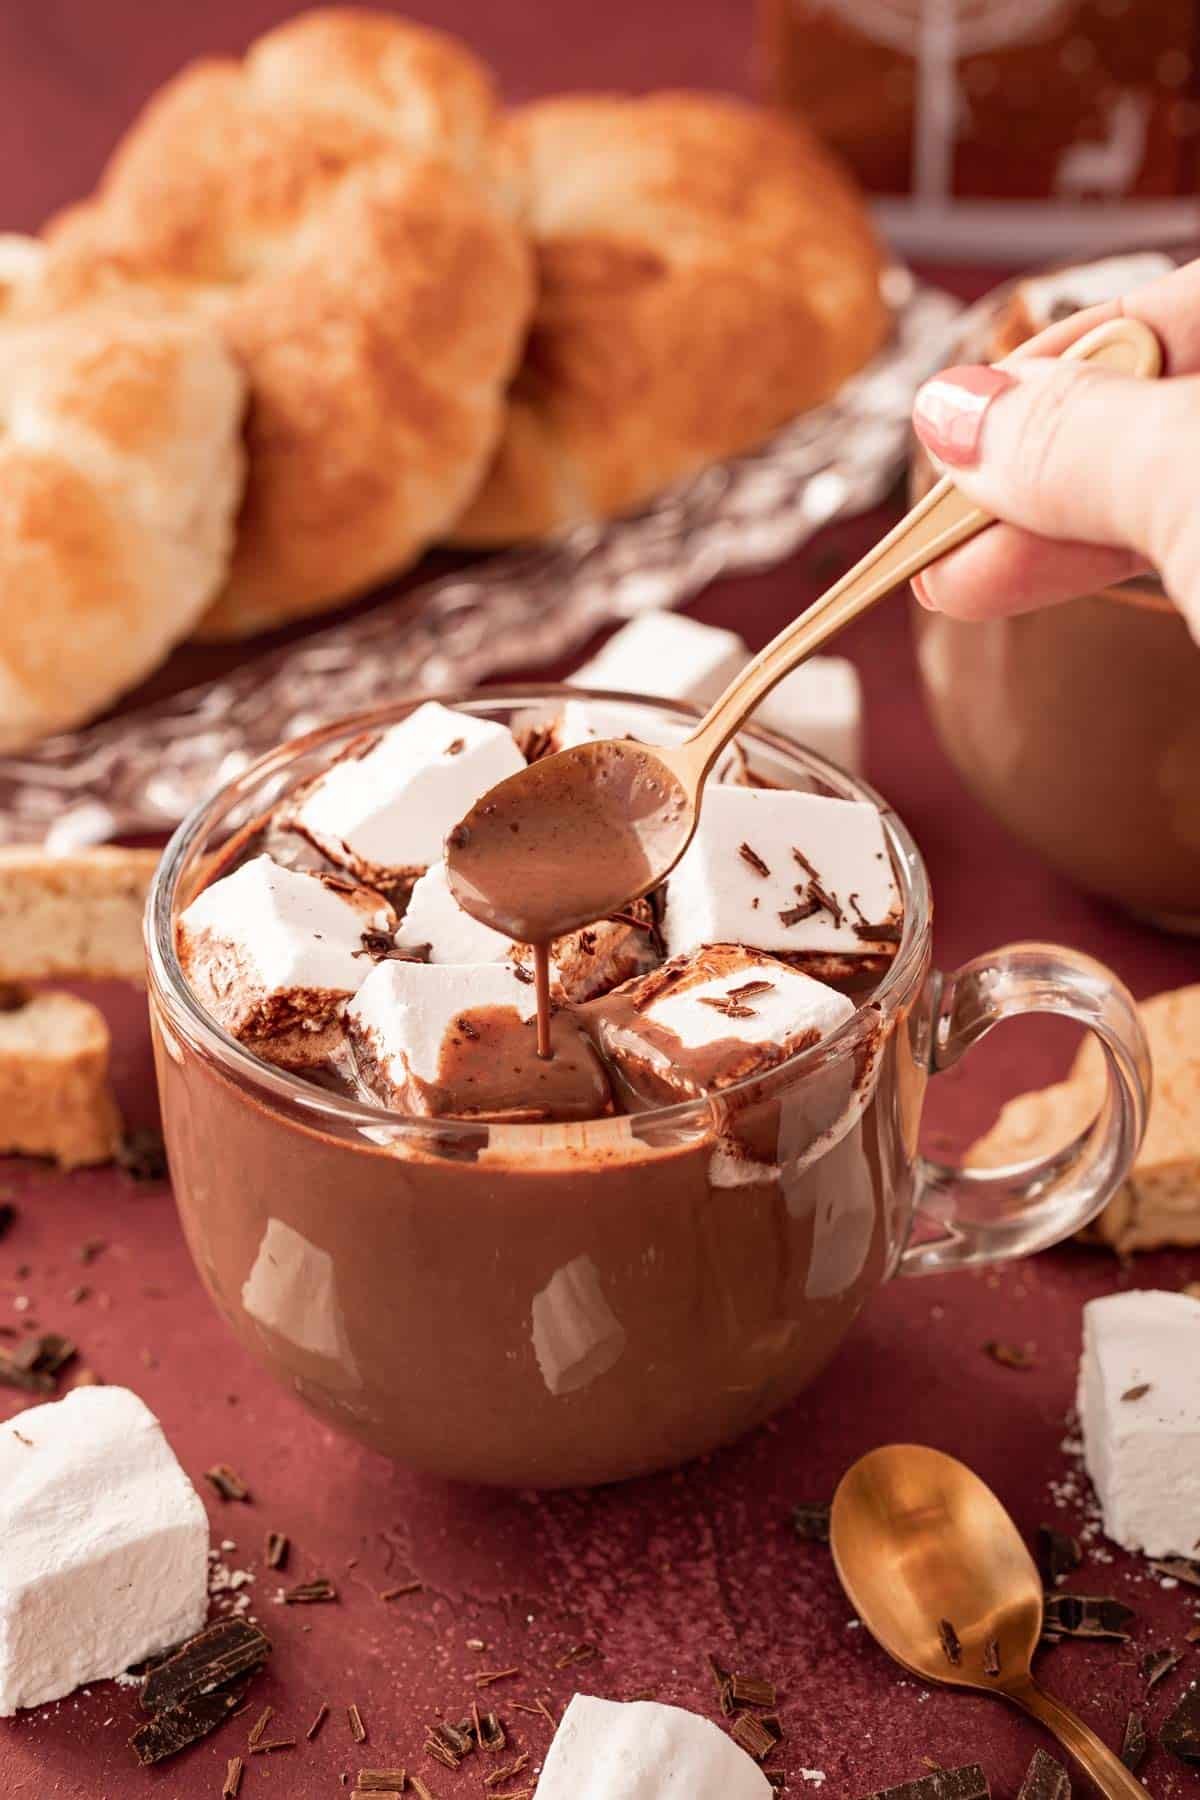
[660, 1571]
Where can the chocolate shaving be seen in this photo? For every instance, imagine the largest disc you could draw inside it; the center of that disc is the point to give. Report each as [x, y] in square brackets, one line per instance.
[827, 901]
[259, 1729]
[468, 1030]
[757, 1737]
[227, 1482]
[1045, 1779]
[889, 931]
[1156, 1664]
[176, 1727]
[315, 1727]
[380, 1781]
[406, 1587]
[951, 1648]
[310, 1593]
[508, 1772]
[796, 915]
[424, 1793]
[275, 1744]
[750, 1690]
[1136, 1393]
[523, 974]
[1177, 1568]
[1087, 1616]
[380, 946]
[991, 1657]
[211, 1660]
[966, 1783]
[233, 1779]
[35, 1364]
[1181, 1732]
[811, 1523]
[143, 1156]
[456, 747]
[727, 1007]
[1010, 1356]
[1057, 1554]
[491, 1675]
[1135, 1744]
[754, 859]
[278, 1546]
[358, 1730]
[490, 1734]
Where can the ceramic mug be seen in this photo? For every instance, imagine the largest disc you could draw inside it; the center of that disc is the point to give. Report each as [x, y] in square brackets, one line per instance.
[548, 1305]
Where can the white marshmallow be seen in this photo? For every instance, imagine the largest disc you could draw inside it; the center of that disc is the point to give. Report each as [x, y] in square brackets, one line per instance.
[434, 917]
[105, 1557]
[716, 896]
[404, 1011]
[668, 655]
[795, 1005]
[820, 705]
[1143, 1453]
[288, 931]
[391, 809]
[641, 1750]
[1090, 284]
[576, 1335]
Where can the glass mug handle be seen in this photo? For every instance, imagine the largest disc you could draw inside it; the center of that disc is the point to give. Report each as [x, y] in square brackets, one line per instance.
[990, 1215]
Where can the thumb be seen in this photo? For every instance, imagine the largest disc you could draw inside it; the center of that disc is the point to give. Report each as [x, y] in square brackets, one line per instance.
[1063, 450]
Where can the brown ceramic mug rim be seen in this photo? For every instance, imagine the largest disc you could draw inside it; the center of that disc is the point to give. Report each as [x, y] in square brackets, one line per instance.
[170, 989]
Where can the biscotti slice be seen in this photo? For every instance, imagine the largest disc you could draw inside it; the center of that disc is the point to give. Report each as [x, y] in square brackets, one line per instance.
[1160, 1203]
[55, 1098]
[75, 917]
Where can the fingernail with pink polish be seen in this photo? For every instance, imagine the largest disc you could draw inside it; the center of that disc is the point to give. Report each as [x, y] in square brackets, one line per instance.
[921, 593]
[949, 411]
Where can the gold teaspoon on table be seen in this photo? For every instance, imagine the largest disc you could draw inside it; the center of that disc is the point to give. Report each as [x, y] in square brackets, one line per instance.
[921, 1544]
[580, 835]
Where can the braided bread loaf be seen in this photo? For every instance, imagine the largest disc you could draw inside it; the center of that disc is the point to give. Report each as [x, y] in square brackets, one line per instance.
[330, 203]
[706, 272]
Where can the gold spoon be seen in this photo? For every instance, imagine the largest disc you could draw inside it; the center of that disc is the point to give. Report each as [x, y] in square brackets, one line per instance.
[580, 835]
[920, 1543]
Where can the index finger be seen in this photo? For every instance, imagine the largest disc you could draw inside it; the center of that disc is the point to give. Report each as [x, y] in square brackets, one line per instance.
[1170, 306]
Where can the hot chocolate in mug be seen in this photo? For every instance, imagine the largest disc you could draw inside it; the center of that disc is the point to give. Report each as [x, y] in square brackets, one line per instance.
[558, 1304]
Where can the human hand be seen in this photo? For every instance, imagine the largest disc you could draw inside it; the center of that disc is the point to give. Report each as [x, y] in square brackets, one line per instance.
[1095, 475]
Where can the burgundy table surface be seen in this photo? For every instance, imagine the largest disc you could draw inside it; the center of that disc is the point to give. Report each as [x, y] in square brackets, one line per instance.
[656, 1573]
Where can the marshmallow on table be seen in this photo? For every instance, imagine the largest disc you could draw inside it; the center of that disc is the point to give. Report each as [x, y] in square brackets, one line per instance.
[386, 811]
[438, 1040]
[784, 871]
[668, 655]
[820, 705]
[1139, 1407]
[641, 1750]
[273, 953]
[705, 1021]
[105, 1557]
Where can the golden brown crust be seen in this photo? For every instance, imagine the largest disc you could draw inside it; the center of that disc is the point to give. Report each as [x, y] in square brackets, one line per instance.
[55, 1098]
[1160, 1203]
[706, 272]
[74, 917]
[328, 202]
[120, 470]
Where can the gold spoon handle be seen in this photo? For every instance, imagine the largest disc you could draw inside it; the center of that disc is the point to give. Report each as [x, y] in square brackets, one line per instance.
[939, 523]
[1103, 1766]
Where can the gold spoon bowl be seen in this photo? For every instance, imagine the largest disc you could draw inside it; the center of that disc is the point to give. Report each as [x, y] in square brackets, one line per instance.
[938, 1573]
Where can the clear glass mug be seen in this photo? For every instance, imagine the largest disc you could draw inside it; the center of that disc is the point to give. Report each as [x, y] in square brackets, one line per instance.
[566, 1304]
